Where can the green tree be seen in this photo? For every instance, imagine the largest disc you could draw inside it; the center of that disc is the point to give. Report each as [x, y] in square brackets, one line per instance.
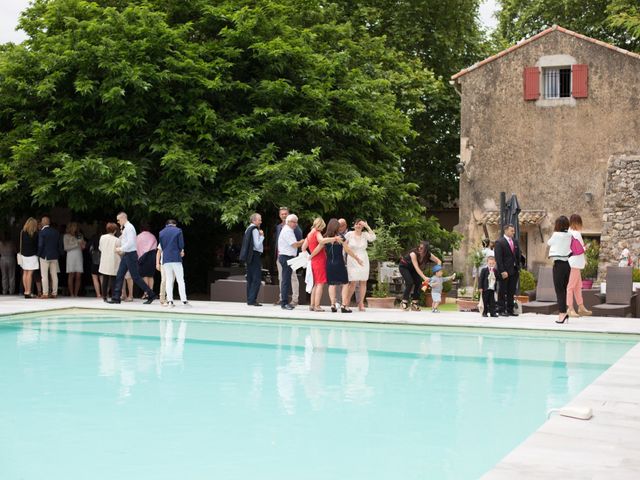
[446, 37]
[209, 109]
[611, 21]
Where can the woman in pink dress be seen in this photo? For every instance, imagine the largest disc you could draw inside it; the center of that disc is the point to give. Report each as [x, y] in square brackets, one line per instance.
[315, 243]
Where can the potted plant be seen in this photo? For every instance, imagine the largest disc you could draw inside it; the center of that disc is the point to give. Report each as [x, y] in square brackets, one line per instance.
[386, 247]
[636, 279]
[527, 284]
[590, 271]
[466, 299]
[380, 296]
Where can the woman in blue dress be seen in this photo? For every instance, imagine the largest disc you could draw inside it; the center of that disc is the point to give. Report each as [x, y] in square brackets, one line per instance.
[337, 267]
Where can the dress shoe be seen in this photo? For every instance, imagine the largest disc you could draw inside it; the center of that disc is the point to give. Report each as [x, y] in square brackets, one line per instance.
[484, 315]
[494, 315]
[503, 314]
[150, 300]
[287, 307]
[114, 300]
[583, 312]
[512, 314]
[254, 304]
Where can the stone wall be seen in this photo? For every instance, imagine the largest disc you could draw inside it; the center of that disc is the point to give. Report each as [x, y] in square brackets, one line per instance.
[621, 213]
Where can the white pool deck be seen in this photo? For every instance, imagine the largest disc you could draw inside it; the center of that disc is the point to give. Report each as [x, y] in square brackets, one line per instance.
[605, 447]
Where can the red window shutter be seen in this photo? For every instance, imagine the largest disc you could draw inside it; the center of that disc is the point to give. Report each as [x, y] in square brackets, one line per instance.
[531, 83]
[580, 80]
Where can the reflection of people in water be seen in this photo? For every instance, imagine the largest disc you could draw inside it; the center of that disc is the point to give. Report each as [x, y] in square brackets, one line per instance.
[357, 368]
[171, 350]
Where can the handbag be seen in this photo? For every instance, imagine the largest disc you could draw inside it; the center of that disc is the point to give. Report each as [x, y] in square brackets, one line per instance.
[576, 247]
[19, 255]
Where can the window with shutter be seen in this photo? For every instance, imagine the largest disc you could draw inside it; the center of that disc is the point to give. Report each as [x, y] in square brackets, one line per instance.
[531, 83]
[580, 80]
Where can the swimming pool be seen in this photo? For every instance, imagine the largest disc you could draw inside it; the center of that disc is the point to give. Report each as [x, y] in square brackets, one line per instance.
[101, 397]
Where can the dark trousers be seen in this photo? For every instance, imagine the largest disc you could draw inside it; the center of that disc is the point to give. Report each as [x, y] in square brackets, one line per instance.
[412, 282]
[506, 291]
[489, 300]
[561, 272]
[285, 281]
[129, 261]
[254, 278]
[107, 284]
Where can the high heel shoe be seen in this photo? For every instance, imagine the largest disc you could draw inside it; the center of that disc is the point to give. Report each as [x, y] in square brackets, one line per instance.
[344, 309]
[334, 309]
[564, 319]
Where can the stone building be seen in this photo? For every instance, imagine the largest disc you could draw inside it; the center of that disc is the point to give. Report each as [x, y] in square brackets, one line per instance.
[554, 119]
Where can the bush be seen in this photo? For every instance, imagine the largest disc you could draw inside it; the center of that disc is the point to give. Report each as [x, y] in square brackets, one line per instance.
[380, 290]
[527, 282]
[386, 246]
[636, 274]
[592, 254]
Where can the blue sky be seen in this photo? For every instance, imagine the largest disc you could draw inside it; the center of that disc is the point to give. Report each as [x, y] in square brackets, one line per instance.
[10, 11]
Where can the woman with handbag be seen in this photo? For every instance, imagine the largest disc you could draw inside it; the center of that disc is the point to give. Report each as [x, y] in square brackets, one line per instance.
[577, 262]
[560, 252]
[28, 256]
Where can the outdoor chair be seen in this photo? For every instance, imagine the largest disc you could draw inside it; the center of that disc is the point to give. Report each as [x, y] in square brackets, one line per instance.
[620, 296]
[545, 295]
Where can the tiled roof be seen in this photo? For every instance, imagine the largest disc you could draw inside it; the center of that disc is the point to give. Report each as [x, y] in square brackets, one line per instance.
[526, 217]
[534, 38]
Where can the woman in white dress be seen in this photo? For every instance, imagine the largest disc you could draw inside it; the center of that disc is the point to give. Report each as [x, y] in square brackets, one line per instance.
[358, 240]
[109, 259]
[74, 244]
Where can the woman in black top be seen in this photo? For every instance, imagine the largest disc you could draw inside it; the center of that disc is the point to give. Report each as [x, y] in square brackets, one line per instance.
[411, 266]
[336, 267]
[29, 251]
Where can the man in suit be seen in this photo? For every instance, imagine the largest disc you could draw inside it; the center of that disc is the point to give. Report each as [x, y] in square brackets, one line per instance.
[251, 253]
[507, 253]
[49, 249]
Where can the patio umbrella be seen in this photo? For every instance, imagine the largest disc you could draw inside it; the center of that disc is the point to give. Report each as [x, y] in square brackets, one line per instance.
[511, 212]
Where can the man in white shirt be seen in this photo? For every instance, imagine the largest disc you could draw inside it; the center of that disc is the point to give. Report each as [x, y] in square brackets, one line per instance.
[129, 261]
[288, 246]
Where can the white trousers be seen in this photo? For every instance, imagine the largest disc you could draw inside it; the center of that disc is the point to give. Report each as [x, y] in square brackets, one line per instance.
[174, 270]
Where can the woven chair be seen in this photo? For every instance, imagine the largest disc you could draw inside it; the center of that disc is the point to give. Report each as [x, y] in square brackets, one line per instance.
[545, 299]
[620, 294]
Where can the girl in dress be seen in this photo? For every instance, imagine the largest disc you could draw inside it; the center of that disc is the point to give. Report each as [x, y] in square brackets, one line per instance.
[336, 268]
[577, 263]
[358, 241]
[74, 244]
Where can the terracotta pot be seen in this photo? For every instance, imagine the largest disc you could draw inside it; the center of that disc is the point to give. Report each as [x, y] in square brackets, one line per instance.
[384, 302]
[467, 304]
[587, 284]
[429, 301]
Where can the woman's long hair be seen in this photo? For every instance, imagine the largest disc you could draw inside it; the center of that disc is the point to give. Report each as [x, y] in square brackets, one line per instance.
[30, 226]
[575, 222]
[423, 258]
[332, 227]
[72, 229]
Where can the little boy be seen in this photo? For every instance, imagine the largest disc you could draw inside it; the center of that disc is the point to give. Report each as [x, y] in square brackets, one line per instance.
[487, 286]
[436, 282]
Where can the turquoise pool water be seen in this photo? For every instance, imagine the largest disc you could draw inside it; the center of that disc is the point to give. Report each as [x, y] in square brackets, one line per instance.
[142, 398]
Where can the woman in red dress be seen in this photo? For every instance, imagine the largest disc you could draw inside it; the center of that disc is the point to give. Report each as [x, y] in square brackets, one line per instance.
[315, 243]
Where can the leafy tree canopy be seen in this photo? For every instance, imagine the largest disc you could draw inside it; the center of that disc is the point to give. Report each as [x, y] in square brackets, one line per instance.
[207, 108]
[612, 21]
[445, 36]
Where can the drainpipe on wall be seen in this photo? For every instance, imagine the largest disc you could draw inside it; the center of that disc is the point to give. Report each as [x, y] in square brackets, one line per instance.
[454, 84]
